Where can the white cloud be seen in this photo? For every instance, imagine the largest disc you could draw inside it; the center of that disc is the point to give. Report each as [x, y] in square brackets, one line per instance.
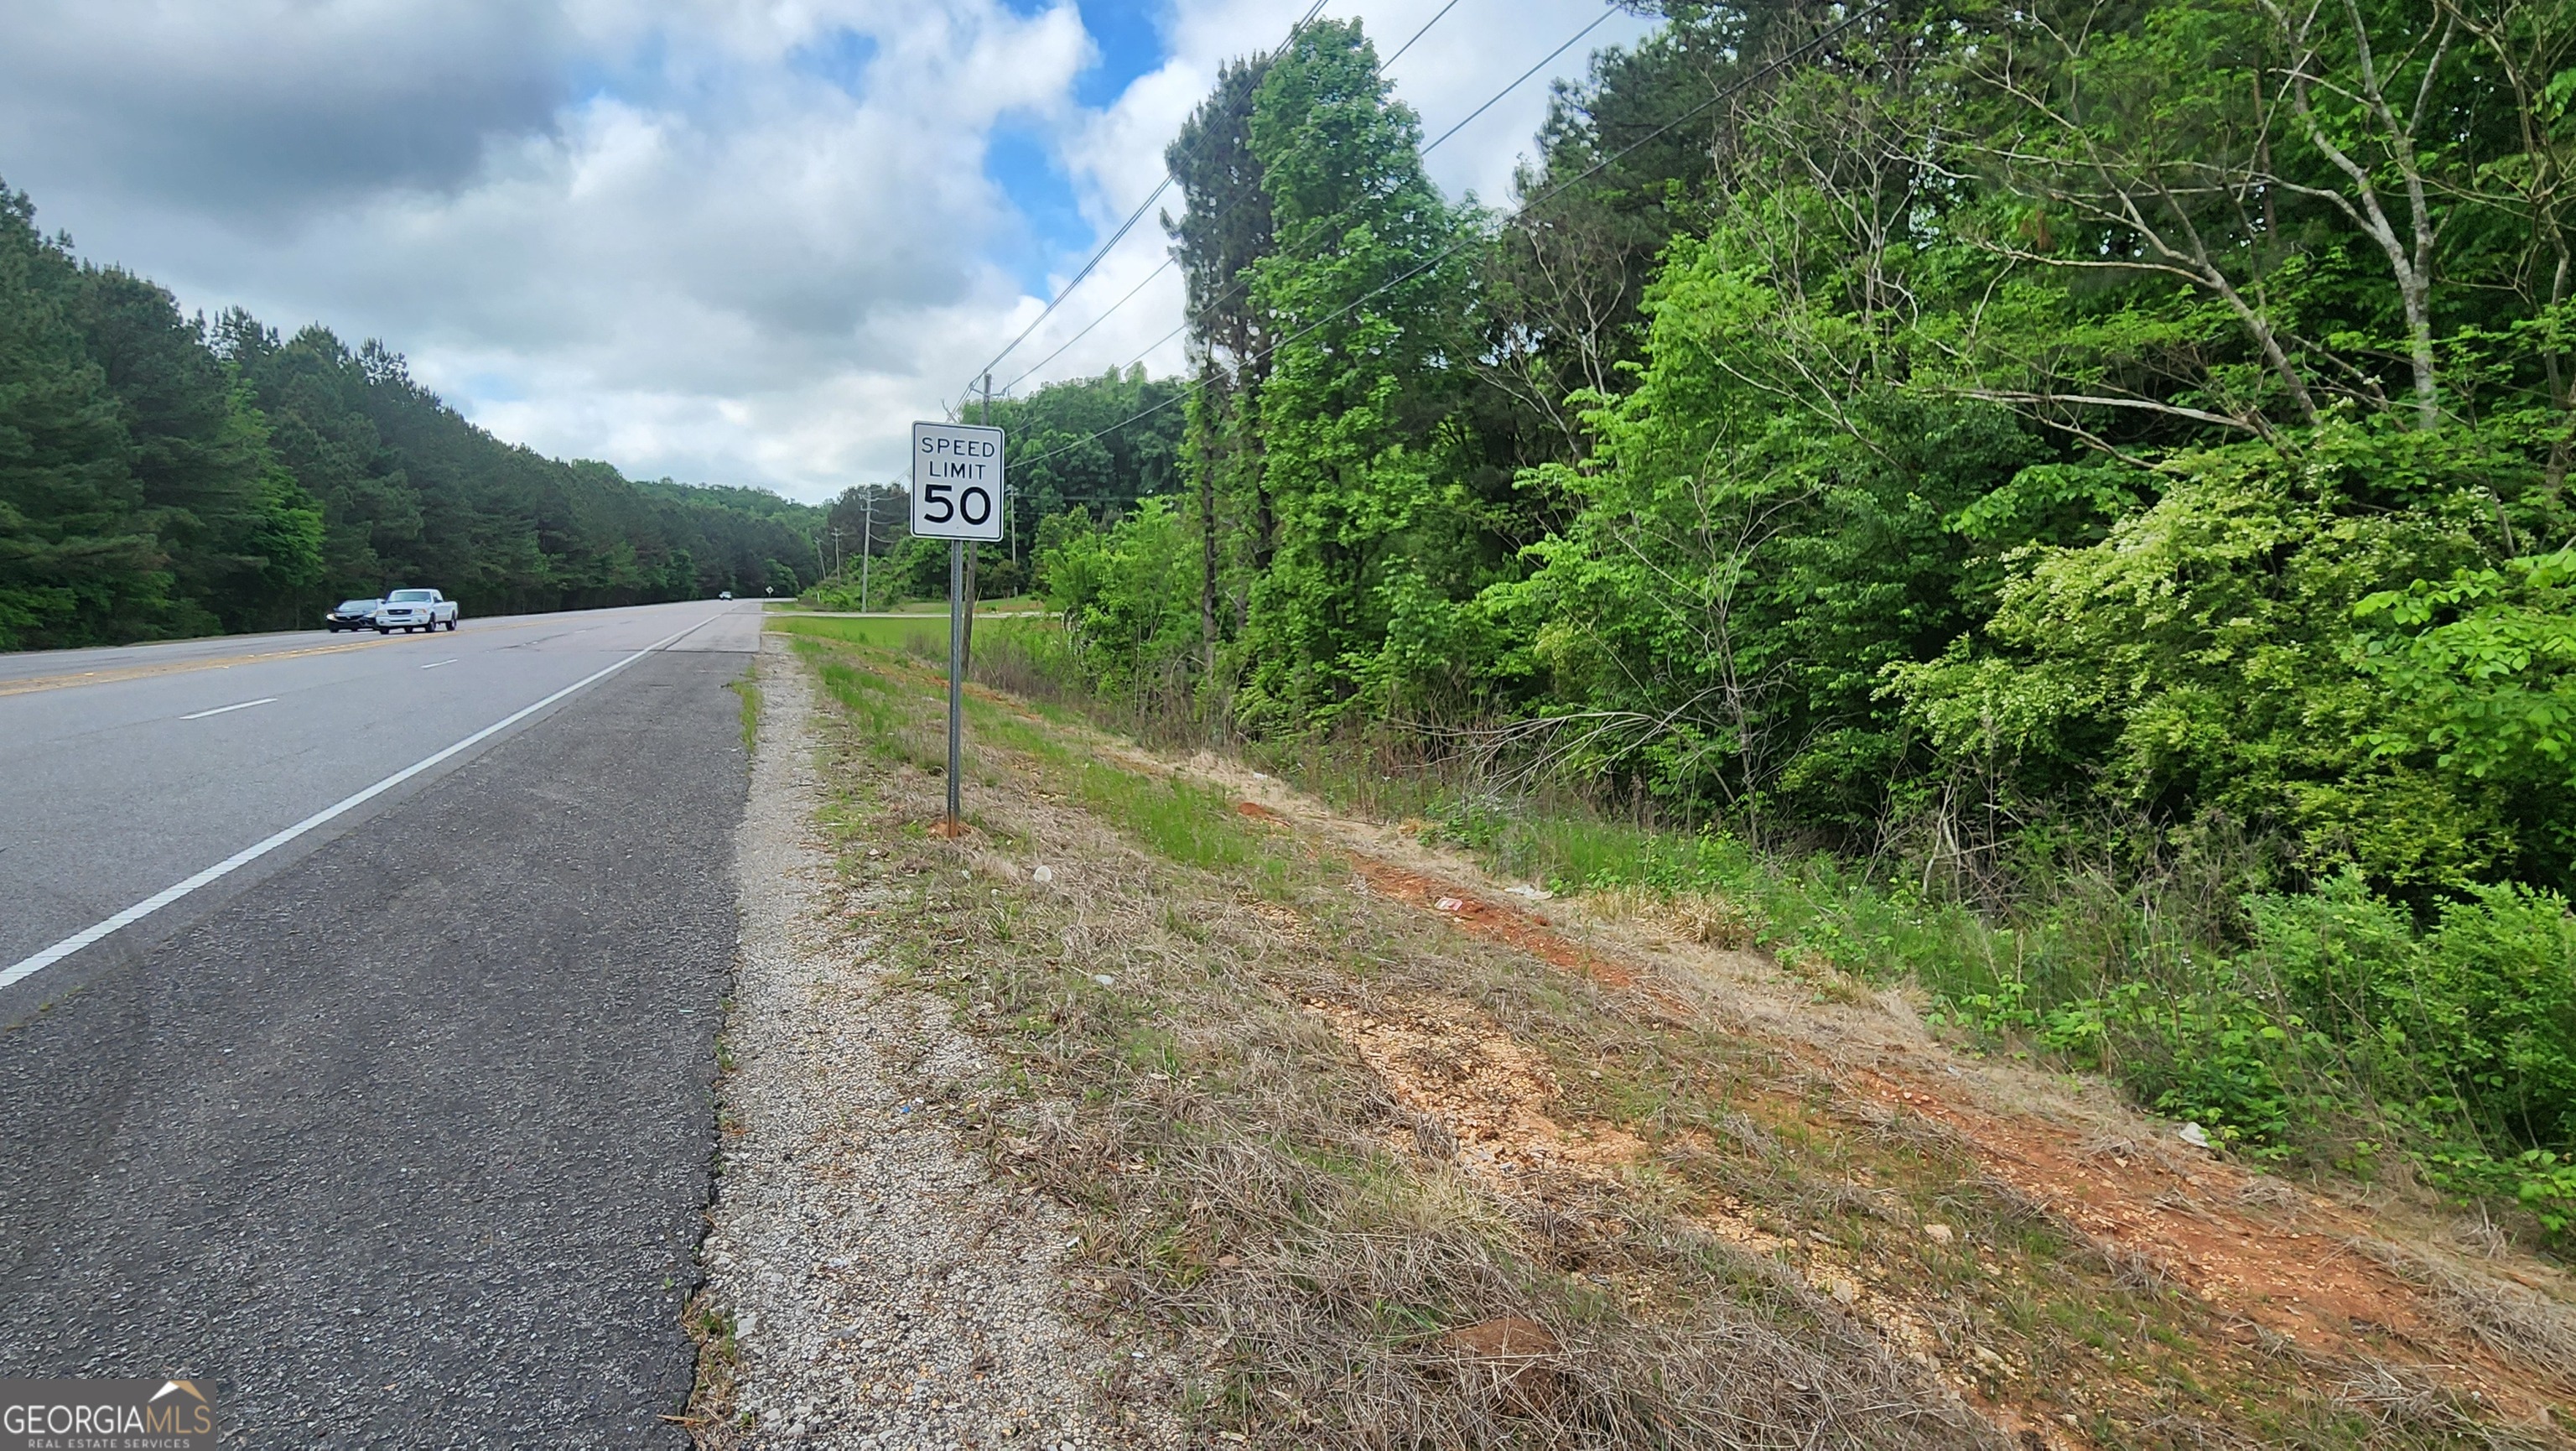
[1458, 65]
[718, 239]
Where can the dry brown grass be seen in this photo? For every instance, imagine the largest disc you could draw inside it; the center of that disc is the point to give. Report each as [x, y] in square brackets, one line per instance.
[1315, 1132]
[1691, 916]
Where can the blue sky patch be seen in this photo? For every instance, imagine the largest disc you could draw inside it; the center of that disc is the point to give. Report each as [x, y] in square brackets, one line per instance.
[1130, 36]
[839, 56]
[1019, 160]
[634, 77]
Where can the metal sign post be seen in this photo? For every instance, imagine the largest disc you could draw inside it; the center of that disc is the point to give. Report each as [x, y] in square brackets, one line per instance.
[956, 496]
[956, 670]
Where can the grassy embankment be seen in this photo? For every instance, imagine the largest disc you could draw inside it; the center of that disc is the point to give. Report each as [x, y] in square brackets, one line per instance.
[2327, 1033]
[836, 599]
[1337, 1149]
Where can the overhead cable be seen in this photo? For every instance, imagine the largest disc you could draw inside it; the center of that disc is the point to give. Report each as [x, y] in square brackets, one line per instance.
[1595, 169]
[1238, 283]
[1525, 75]
[1123, 229]
[1417, 35]
[1067, 291]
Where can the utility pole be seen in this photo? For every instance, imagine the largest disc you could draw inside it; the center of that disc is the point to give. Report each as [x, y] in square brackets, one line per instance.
[1004, 496]
[836, 552]
[867, 547]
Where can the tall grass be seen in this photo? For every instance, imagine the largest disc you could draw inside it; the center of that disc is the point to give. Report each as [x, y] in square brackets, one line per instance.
[2323, 1030]
[2318, 1028]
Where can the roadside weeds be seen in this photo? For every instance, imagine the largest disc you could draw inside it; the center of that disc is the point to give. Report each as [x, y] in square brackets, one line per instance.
[868, 1283]
[1387, 1159]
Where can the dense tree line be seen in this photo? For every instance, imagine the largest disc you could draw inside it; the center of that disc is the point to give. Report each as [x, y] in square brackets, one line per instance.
[1083, 452]
[2001, 444]
[163, 476]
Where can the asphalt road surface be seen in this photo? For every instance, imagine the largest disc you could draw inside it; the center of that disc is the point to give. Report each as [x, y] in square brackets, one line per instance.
[401, 1131]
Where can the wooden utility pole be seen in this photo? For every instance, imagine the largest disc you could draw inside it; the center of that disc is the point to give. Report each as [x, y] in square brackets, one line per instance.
[971, 550]
[867, 547]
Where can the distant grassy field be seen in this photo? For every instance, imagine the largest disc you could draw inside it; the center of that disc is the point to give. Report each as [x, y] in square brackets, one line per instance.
[982, 607]
[913, 634]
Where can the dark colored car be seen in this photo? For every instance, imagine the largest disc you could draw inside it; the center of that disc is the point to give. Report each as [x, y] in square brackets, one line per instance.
[352, 615]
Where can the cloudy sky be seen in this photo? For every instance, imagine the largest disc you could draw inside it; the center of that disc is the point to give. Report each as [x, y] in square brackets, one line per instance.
[738, 241]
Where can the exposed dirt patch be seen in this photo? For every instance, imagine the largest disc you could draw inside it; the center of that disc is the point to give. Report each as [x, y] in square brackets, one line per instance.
[1527, 931]
[2017, 1238]
[2295, 1267]
[1485, 1094]
[2286, 1262]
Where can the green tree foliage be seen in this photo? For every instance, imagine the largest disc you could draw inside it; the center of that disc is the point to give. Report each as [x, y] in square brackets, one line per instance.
[71, 548]
[1992, 441]
[1377, 536]
[1069, 449]
[162, 477]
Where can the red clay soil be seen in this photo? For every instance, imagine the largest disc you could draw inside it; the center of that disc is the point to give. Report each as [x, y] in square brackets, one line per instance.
[2309, 1283]
[2306, 1280]
[1510, 926]
[1528, 931]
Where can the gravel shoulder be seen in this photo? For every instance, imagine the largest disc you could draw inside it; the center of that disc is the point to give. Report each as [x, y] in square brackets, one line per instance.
[869, 1285]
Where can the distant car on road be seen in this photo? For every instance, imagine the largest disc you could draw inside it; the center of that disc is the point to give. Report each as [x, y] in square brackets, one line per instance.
[724, 594]
[351, 615]
[415, 609]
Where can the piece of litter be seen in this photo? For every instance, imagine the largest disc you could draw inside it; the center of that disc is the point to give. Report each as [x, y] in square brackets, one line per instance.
[1104, 979]
[1042, 873]
[1535, 894]
[2194, 1135]
[1450, 904]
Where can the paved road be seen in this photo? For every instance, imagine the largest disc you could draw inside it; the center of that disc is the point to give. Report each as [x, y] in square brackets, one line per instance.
[402, 1132]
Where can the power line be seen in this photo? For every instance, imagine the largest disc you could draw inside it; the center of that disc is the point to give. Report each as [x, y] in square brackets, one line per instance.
[1417, 35]
[1525, 75]
[1114, 238]
[1123, 229]
[1595, 169]
[1238, 284]
[1086, 331]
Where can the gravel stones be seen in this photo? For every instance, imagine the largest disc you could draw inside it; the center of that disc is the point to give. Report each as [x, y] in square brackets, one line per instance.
[884, 1291]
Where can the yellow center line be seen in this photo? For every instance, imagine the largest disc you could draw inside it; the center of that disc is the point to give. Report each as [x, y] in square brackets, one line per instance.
[178, 667]
[174, 667]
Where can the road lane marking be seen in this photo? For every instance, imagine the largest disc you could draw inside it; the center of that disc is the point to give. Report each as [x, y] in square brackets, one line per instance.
[27, 967]
[224, 709]
[24, 684]
[450, 660]
[173, 667]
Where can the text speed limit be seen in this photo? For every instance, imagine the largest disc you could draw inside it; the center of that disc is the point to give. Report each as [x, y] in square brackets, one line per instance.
[956, 481]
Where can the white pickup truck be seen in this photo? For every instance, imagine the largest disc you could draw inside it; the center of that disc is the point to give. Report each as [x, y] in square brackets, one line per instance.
[415, 609]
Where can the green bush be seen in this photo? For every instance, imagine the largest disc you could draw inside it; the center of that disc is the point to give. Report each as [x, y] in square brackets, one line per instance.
[2325, 1028]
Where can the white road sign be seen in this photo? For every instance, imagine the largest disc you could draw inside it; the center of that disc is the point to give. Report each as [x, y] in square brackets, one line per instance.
[956, 481]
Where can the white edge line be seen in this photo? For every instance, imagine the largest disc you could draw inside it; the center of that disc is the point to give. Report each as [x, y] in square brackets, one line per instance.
[219, 710]
[450, 660]
[28, 967]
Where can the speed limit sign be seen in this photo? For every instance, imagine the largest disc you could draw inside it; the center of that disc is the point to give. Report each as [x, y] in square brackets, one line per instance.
[956, 481]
